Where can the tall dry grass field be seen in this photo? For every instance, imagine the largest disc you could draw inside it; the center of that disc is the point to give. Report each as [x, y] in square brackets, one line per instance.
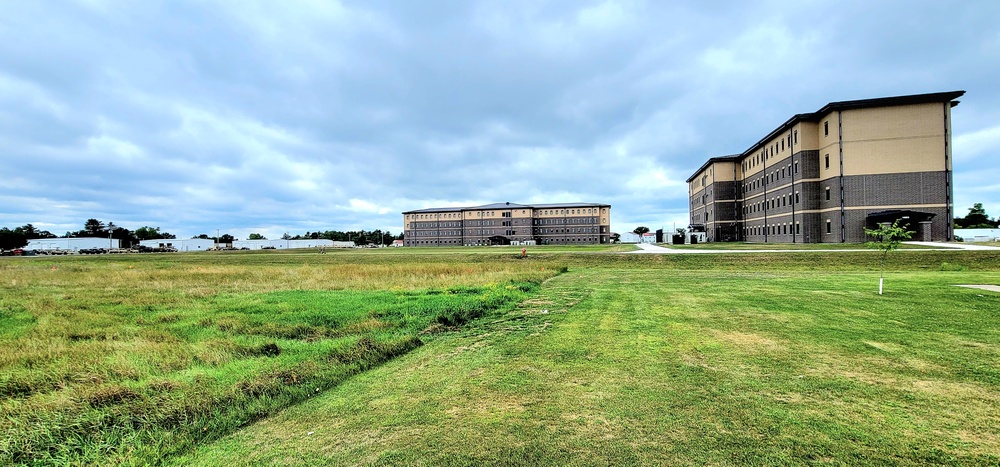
[133, 358]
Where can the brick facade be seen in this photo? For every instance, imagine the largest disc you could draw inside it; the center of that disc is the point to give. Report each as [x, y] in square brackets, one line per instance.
[819, 177]
[506, 223]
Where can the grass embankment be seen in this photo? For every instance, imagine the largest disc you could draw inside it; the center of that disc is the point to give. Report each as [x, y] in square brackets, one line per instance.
[131, 359]
[769, 359]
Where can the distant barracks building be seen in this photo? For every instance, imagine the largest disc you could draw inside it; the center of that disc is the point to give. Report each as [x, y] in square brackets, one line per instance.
[509, 223]
[823, 177]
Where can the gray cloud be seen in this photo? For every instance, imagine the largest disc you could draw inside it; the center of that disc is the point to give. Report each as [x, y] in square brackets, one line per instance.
[294, 116]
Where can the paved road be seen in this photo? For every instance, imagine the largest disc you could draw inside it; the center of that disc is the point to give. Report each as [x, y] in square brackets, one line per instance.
[656, 249]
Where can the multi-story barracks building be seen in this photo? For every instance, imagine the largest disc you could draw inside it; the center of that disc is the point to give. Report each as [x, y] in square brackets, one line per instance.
[823, 177]
[509, 223]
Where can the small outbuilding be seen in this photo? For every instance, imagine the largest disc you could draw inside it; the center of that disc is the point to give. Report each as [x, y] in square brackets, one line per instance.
[629, 237]
[180, 244]
[280, 244]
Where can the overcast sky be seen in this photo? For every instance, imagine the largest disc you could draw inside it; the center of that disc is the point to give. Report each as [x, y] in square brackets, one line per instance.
[296, 116]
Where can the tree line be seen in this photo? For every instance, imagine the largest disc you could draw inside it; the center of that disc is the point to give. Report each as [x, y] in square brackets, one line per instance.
[359, 237]
[18, 237]
[976, 219]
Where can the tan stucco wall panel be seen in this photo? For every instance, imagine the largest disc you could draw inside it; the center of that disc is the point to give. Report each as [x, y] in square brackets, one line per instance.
[808, 136]
[907, 121]
[894, 156]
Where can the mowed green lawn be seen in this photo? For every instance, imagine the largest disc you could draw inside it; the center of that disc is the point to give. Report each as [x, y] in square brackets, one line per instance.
[672, 361]
[472, 356]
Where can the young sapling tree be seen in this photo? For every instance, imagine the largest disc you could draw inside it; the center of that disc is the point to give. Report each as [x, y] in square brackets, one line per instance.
[886, 238]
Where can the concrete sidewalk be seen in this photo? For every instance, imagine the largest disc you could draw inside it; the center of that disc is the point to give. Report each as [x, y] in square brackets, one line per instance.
[955, 245]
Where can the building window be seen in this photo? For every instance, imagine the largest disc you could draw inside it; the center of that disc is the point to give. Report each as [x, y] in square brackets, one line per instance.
[796, 135]
[796, 197]
[797, 230]
[826, 159]
[829, 226]
[826, 128]
[796, 167]
[828, 193]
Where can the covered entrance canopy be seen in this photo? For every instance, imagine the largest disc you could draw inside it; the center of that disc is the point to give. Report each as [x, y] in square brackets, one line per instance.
[499, 240]
[904, 216]
[917, 221]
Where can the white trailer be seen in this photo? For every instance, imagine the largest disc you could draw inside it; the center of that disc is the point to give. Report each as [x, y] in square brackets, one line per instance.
[72, 244]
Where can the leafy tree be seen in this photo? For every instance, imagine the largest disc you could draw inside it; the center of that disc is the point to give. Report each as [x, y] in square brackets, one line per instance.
[887, 238]
[30, 232]
[126, 236]
[226, 238]
[150, 233]
[641, 230]
[362, 237]
[616, 238]
[286, 236]
[976, 219]
[256, 236]
[93, 228]
[11, 239]
[203, 237]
